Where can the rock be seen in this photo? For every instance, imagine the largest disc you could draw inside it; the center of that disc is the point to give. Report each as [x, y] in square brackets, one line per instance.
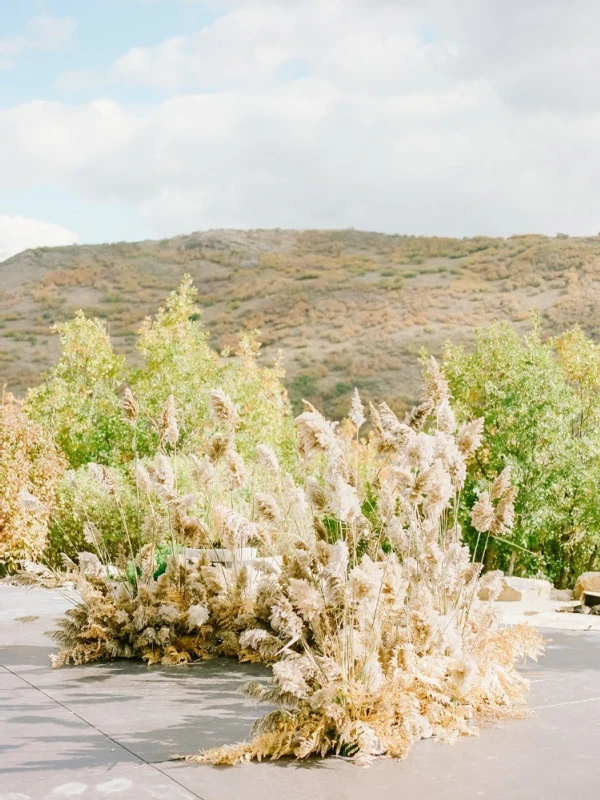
[525, 590]
[495, 585]
[563, 595]
[590, 599]
[490, 584]
[587, 582]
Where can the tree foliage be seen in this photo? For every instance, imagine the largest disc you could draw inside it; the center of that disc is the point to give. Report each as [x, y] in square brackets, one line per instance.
[540, 400]
[80, 401]
[30, 469]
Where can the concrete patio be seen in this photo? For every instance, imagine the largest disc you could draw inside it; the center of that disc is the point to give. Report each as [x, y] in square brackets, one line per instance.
[109, 730]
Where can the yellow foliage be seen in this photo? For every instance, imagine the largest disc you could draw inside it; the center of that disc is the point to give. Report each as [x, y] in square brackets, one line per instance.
[30, 469]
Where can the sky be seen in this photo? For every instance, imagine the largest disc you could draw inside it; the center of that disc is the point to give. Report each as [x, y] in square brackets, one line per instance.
[133, 119]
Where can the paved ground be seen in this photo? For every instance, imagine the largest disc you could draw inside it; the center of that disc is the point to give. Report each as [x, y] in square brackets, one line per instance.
[108, 730]
[545, 614]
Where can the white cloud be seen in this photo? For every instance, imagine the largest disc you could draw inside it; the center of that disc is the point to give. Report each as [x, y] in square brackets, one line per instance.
[266, 43]
[255, 42]
[43, 32]
[21, 233]
[446, 162]
[417, 116]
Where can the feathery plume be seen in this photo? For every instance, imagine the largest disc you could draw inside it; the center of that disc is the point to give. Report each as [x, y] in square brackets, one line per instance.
[420, 451]
[223, 410]
[436, 385]
[316, 494]
[266, 458]
[315, 433]
[90, 564]
[504, 518]
[501, 484]
[129, 406]
[289, 677]
[92, 535]
[469, 437]
[357, 414]
[164, 475]
[217, 447]
[234, 529]
[343, 501]
[437, 487]
[169, 430]
[445, 417]
[267, 507]
[196, 617]
[203, 471]
[482, 513]
[306, 599]
[236, 469]
[142, 477]
[417, 417]
[392, 435]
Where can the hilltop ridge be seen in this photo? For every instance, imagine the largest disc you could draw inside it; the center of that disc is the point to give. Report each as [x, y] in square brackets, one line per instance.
[346, 307]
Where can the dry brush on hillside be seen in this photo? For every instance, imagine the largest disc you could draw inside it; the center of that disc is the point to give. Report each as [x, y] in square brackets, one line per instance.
[347, 307]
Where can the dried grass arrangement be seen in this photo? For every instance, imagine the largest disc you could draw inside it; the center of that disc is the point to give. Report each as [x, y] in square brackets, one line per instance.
[153, 601]
[187, 612]
[368, 606]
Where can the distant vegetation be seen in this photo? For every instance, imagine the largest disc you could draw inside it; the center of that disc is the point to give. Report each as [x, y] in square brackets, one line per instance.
[540, 402]
[538, 395]
[80, 400]
[347, 308]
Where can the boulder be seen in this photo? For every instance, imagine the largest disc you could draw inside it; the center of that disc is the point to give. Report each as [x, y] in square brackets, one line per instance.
[562, 595]
[495, 585]
[587, 582]
[525, 590]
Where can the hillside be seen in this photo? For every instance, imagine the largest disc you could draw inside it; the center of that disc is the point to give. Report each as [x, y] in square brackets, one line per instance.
[346, 307]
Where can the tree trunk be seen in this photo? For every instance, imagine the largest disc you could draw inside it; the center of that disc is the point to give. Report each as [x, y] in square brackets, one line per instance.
[489, 559]
[511, 563]
[562, 578]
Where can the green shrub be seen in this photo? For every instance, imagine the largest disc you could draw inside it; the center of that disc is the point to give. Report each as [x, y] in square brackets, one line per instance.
[540, 400]
[178, 361]
[79, 402]
[81, 498]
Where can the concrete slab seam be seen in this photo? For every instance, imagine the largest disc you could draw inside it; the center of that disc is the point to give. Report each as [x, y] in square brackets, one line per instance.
[101, 732]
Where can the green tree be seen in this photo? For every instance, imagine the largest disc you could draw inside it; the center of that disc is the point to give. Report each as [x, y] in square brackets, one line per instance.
[540, 400]
[178, 361]
[78, 401]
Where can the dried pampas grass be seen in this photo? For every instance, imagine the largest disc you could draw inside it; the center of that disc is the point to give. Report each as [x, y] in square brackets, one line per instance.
[364, 598]
[384, 641]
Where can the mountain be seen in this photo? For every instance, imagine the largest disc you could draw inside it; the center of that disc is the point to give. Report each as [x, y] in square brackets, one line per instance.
[346, 307]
